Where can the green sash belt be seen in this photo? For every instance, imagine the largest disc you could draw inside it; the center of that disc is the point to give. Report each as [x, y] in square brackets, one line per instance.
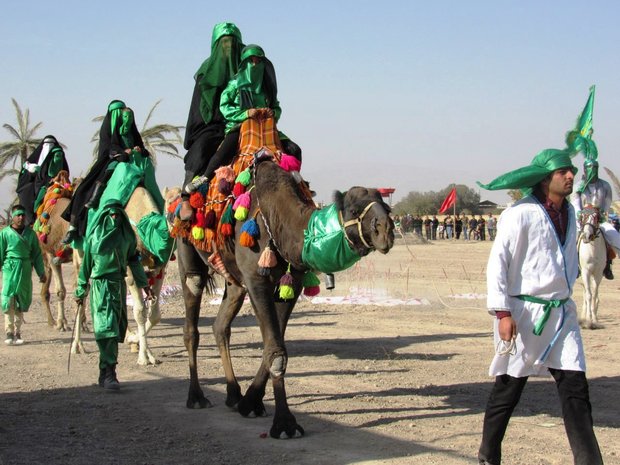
[549, 304]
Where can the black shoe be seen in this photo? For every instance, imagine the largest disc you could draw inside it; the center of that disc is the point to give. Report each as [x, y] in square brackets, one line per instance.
[109, 381]
[72, 234]
[607, 271]
[93, 202]
[101, 376]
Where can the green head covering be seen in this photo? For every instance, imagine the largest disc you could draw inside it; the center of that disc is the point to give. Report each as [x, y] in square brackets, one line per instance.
[219, 68]
[224, 29]
[56, 163]
[250, 75]
[543, 164]
[590, 174]
[109, 231]
[115, 108]
[18, 212]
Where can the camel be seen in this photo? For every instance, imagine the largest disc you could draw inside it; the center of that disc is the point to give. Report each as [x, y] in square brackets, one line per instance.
[140, 204]
[592, 260]
[282, 215]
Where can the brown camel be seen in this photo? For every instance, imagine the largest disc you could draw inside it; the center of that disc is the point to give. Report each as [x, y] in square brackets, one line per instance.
[283, 217]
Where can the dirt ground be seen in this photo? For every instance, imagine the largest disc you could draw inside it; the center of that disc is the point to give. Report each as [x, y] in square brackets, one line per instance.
[371, 383]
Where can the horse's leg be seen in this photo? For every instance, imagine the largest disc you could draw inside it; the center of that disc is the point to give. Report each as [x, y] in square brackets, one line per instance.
[229, 308]
[272, 317]
[194, 276]
[45, 289]
[61, 292]
[154, 314]
[139, 315]
[595, 302]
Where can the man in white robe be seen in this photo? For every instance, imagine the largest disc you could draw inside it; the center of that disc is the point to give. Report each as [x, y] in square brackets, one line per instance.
[530, 276]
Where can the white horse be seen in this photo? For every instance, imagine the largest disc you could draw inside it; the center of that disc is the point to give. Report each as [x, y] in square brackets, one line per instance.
[146, 313]
[592, 260]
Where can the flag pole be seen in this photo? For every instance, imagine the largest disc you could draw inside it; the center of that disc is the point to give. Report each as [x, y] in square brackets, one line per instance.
[454, 215]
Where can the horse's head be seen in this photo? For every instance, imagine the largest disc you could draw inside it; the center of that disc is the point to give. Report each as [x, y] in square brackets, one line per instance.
[589, 223]
[366, 220]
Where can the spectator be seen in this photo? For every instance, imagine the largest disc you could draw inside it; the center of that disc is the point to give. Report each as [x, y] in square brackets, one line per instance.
[434, 227]
[491, 226]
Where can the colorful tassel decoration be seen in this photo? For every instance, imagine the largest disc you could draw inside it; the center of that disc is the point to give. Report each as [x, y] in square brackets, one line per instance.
[238, 189]
[56, 191]
[266, 261]
[243, 200]
[224, 187]
[311, 284]
[210, 219]
[245, 240]
[289, 163]
[196, 200]
[286, 285]
[200, 219]
[225, 172]
[241, 213]
[204, 188]
[226, 229]
[244, 178]
[198, 233]
[249, 233]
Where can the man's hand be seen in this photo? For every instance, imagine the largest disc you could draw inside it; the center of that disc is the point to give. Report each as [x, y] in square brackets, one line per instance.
[148, 292]
[42, 279]
[268, 112]
[507, 328]
[253, 112]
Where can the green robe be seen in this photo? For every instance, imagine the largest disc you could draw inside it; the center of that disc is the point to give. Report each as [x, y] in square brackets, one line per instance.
[108, 251]
[18, 254]
[230, 105]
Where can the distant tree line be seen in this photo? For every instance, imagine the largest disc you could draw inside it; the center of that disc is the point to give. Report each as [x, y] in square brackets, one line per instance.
[428, 203]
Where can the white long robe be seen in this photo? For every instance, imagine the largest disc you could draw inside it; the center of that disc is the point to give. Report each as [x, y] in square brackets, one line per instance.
[527, 258]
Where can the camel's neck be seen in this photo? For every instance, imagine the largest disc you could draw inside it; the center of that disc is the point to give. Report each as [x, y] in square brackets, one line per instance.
[287, 217]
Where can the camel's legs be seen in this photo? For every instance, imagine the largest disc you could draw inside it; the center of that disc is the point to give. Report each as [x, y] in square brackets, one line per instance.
[194, 276]
[45, 290]
[61, 293]
[231, 304]
[272, 318]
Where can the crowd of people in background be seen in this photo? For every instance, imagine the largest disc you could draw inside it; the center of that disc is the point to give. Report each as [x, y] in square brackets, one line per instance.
[459, 227]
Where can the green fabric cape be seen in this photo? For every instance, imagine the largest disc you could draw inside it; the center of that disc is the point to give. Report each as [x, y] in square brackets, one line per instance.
[325, 247]
[525, 178]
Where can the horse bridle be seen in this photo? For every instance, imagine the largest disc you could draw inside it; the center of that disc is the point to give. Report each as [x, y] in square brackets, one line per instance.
[357, 221]
[591, 216]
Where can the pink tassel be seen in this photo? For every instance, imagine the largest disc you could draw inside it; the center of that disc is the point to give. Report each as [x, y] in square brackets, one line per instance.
[289, 163]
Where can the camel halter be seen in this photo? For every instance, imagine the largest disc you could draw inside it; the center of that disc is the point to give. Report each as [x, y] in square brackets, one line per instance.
[357, 221]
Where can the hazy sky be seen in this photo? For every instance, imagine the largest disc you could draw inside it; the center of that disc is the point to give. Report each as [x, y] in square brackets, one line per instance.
[406, 94]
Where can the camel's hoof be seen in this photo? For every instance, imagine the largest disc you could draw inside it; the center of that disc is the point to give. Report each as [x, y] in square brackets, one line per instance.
[198, 404]
[292, 432]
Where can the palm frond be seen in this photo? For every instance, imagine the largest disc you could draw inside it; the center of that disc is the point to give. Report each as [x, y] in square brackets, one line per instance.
[615, 180]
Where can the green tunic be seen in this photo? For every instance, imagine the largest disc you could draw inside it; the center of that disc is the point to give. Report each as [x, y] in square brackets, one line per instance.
[18, 254]
[108, 250]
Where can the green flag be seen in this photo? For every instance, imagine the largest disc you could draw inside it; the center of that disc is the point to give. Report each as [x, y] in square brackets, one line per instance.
[580, 138]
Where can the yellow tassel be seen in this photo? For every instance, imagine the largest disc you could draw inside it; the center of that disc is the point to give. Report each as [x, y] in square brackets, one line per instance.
[198, 233]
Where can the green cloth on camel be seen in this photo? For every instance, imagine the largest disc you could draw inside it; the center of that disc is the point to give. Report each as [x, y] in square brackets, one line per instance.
[326, 247]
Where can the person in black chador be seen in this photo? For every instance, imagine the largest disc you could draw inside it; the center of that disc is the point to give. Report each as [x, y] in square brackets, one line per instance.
[251, 93]
[40, 167]
[118, 137]
[204, 131]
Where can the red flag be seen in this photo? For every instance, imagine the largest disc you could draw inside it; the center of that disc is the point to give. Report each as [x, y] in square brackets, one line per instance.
[450, 200]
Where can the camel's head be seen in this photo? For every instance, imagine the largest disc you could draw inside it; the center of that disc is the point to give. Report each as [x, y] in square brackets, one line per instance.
[366, 219]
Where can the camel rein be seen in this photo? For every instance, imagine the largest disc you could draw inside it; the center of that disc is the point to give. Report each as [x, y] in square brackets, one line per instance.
[356, 221]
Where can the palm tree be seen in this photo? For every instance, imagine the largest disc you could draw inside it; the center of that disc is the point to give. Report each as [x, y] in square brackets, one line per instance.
[162, 138]
[13, 154]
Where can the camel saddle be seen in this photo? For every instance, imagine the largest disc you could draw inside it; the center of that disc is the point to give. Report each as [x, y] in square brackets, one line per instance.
[213, 221]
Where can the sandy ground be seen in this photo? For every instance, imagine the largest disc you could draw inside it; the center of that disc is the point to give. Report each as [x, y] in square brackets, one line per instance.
[371, 383]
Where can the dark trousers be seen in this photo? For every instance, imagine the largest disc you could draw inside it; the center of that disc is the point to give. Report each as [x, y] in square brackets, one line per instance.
[576, 411]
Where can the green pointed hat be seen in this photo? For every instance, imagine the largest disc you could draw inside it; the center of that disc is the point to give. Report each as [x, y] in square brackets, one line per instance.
[543, 164]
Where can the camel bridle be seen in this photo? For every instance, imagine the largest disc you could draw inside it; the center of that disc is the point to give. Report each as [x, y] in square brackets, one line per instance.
[357, 222]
